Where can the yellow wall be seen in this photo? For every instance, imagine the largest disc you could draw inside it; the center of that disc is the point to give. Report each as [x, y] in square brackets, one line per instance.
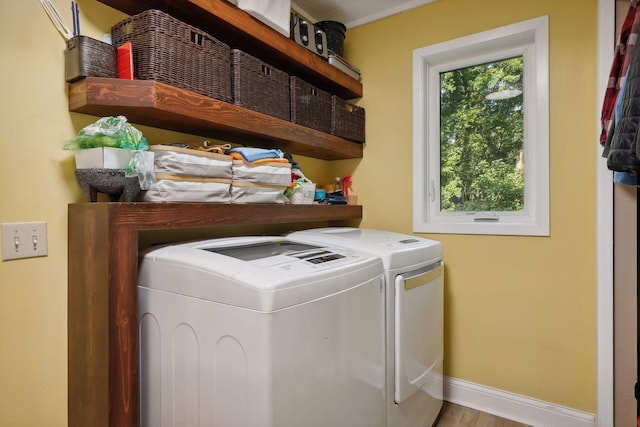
[520, 311]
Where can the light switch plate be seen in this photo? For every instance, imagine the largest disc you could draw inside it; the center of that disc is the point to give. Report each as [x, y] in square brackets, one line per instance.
[24, 240]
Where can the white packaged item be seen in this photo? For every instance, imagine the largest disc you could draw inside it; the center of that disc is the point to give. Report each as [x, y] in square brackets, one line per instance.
[274, 13]
[270, 173]
[170, 188]
[247, 192]
[102, 158]
[173, 160]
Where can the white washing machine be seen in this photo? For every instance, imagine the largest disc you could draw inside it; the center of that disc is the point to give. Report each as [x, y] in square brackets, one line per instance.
[414, 317]
[261, 332]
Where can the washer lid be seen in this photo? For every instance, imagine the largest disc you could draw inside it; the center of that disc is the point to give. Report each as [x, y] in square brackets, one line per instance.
[396, 250]
[261, 273]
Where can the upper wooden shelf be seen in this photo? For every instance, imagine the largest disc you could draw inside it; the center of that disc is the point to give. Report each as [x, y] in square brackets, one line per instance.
[155, 104]
[238, 29]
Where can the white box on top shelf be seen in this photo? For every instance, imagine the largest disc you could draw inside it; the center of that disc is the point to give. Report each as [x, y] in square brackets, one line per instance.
[274, 13]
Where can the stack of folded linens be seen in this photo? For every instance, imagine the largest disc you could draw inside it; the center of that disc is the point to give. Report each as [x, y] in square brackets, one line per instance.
[185, 174]
[259, 175]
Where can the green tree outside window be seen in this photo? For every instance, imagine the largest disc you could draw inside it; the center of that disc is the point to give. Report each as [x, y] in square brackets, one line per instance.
[482, 137]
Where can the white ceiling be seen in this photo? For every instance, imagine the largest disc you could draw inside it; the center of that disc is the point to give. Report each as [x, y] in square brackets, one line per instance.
[353, 12]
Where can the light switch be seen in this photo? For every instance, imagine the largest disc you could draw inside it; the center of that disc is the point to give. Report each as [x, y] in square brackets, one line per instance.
[24, 240]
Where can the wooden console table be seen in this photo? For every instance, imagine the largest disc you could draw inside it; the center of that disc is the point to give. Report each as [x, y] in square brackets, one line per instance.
[102, 294]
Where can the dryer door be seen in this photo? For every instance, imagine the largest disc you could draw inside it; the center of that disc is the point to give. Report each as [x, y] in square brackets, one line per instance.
[419, 301]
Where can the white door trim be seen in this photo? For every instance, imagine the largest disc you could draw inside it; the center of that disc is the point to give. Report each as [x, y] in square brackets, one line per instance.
[604, 225]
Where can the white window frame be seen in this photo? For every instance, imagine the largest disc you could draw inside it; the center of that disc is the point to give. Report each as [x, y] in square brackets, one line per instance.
[529, 39]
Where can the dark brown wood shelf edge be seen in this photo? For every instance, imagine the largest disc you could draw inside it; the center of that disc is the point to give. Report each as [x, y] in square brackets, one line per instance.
[156, 104]
[238, 29]
[141, 216]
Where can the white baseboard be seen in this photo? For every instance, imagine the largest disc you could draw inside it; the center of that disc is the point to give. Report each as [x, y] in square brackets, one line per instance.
[513, 406]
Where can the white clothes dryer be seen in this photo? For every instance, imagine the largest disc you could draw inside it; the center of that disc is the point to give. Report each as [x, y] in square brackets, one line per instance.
[414, 276]
[261, 332]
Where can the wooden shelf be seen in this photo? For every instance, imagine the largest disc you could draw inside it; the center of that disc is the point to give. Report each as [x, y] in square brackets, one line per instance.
[103, 237]
[159, 105]
[238, 29]
[141, 216]
[103, 298]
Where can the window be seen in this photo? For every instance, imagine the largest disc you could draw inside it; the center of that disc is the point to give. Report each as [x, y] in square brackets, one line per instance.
[481, 133]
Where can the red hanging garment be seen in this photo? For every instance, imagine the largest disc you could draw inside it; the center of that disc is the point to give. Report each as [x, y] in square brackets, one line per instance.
[622, 56]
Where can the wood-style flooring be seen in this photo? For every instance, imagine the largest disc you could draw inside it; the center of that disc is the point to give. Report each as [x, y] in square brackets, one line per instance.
[453, 415]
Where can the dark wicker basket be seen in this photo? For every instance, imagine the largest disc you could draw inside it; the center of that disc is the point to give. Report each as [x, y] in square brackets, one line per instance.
[87, 57]
[310, 106]
[170, 51]
[258, 86]
[347, 120]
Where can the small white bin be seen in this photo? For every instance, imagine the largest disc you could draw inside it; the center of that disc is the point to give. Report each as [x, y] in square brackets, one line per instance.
[304, 194]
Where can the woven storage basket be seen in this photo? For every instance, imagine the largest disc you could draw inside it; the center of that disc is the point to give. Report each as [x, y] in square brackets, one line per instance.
[347, 120]
[170, 51]
[258, 86]
[86, 57]
[310, 106]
